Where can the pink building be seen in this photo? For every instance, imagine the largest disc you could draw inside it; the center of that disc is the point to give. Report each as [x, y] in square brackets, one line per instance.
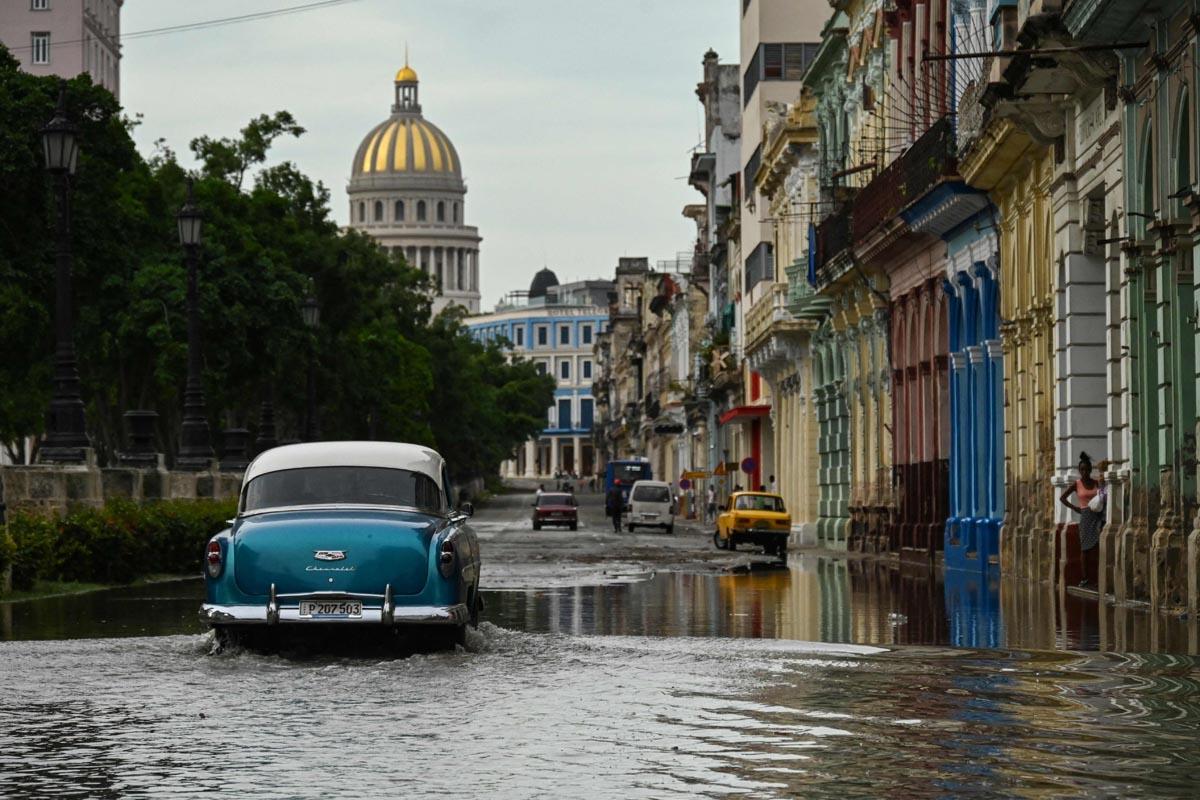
[65, 37]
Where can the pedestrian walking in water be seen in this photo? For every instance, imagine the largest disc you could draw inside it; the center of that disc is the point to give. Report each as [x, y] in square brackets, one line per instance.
[612, 505]
[1091, 516]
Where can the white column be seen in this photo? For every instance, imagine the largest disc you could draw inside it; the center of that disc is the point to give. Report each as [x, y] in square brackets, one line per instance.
[553, 454]
[578, 465]
[531, 458]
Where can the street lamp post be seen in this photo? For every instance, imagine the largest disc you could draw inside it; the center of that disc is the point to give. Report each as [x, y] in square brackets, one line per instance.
[195, 445]
[311, 311]
[66, 432]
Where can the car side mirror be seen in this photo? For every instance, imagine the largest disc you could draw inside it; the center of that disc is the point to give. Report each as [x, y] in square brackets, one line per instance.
[467, 509]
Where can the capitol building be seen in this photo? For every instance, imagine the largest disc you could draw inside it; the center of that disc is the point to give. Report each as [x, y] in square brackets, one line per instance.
[407, 192]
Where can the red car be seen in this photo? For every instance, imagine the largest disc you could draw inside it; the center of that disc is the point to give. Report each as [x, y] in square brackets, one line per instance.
[555, 509]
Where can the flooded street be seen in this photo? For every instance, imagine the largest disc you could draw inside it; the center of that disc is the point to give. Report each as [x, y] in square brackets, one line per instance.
[616, 677]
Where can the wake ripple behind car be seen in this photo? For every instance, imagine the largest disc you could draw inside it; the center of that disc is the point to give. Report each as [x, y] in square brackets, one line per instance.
[345, 534]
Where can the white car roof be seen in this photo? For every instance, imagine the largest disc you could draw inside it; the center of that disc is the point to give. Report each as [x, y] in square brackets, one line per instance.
[651, 483]
[394, 455]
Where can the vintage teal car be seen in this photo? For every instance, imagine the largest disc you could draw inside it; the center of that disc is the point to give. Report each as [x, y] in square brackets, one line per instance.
[342, 534]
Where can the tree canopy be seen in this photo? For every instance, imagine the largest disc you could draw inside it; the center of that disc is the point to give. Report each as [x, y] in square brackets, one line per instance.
[386, 370]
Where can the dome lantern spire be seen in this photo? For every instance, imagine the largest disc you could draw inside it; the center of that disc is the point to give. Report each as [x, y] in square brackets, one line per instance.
[406, 88]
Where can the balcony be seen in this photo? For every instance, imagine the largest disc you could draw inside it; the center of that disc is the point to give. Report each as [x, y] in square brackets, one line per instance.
[910, 177]
[833, 238]
[770, 309]
[928, 162]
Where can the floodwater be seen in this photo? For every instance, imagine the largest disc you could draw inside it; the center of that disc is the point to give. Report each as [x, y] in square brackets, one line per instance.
[813, 599]
[754, 685]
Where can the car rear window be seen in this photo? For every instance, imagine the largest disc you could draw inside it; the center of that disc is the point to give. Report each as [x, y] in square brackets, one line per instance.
[759, 502]
[375, 486]
[556, 500]
[652, 494]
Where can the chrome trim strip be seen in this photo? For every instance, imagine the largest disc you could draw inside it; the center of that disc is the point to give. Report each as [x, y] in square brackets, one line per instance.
[341, 507]
[272, 607]
[214, 614]
[332, 594]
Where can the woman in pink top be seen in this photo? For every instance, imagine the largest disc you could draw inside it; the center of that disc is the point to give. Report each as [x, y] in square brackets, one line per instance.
[1090, 522]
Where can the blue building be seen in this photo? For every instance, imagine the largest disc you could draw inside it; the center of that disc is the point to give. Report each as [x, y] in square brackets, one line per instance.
[976, 397]
[554, 326]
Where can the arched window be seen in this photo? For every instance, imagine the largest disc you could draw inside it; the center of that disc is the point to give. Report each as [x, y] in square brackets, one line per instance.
[379, 211]
[399, 211]
[420, 211]
[456, 212]
[362, 211]
[441, 211]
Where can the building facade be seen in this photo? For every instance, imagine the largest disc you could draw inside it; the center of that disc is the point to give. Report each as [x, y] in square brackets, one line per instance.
[716, 173]
[987, 215]
[778, 331]
[556, 327]
[66, 38]
[648, 403]
[407, 192]
[779, 39]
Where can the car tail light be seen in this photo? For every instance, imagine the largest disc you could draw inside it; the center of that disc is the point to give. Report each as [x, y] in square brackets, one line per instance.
[446, 559]
[213, 559]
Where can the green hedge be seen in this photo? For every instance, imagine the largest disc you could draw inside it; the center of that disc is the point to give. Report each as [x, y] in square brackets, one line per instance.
[119, 543]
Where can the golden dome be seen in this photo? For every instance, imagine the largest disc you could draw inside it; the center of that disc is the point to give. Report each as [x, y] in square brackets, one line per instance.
[408, 145]
[406, 75]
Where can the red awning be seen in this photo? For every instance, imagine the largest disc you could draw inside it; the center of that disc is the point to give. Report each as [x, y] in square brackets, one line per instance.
[744, 414]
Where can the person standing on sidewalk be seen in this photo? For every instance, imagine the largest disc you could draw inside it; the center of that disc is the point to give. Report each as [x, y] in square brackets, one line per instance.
[612, 505]
[710, 505]
[1090, 521]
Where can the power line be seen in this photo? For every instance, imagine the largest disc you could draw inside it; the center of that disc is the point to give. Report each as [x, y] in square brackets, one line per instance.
[210, 23]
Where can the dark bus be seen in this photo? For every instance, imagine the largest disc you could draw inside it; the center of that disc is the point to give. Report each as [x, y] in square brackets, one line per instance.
[627, 471]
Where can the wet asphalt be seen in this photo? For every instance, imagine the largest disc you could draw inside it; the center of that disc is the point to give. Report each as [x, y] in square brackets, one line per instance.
[516, 556]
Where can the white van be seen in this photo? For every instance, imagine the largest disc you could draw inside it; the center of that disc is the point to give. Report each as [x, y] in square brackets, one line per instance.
[651, 506]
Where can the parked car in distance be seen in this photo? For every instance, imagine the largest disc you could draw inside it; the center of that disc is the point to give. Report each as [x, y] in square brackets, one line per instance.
[344, 534]
[555, 508]
[651, 506]
[757, 518]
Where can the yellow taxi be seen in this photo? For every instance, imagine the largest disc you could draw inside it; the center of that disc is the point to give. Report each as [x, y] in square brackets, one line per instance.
[757, 518]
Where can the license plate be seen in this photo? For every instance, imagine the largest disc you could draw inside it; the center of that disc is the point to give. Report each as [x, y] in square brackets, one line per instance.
[648, 515]
[331, 608]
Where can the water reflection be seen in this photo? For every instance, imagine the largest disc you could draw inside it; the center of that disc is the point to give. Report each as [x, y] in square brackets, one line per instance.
[148, 610]
[853, 601]
[813, 599]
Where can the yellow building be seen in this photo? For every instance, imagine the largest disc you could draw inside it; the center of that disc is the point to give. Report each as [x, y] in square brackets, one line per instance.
[1016, 171]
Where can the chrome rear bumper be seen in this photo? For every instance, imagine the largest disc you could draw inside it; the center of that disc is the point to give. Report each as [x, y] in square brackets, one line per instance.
[386, 613]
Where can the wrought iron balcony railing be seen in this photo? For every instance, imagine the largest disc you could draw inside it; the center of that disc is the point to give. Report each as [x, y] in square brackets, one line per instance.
[917, 170]
[930, 160]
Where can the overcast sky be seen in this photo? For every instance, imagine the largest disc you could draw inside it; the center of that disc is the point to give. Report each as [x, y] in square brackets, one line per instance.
[574, 120]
